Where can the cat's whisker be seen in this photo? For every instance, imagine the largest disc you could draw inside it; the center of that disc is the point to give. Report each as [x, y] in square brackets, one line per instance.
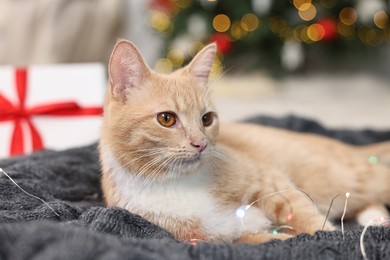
[163, 161]
[214, 162]
[174, 168]
[177, 166]
[146, 153]
[150, 164]
[152, 176]
[218, 154]
[149, 152]
[214, 159]
[132, 160]
[124, 166]
[159, 165]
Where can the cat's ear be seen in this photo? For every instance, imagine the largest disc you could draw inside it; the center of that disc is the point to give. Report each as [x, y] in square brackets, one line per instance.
[127, 69]
[201, 65]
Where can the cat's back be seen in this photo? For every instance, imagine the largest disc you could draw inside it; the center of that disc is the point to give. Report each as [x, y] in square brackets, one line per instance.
[246, 136]
[264, 143]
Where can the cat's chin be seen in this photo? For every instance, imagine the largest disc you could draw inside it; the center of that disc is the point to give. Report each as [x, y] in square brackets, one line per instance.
[187, 167]
[192, 164]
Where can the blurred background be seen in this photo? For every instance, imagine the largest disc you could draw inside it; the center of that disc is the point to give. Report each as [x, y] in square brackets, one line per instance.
[327, 60]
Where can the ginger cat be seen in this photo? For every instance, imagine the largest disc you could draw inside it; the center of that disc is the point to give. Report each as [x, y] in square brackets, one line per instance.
[166, 157]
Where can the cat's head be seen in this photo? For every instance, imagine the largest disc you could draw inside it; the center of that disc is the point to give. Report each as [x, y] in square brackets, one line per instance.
[159, 126]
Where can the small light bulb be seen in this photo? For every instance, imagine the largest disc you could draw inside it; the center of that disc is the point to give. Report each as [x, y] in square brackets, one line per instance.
[240, 212]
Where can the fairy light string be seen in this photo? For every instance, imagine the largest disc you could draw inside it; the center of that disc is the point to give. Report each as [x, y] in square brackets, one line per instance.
[374, 222]
[344, 212]
[242, 210]
[328, 212]
[29, 194]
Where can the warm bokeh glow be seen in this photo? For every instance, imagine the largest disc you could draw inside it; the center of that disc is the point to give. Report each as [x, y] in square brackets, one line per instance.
[381, 19]
[316, 32]
[250, 22]
[307, 12]
[221, 23]
[348, 15]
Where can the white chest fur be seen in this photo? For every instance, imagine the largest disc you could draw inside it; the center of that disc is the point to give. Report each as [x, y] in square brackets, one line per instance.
[184, 198]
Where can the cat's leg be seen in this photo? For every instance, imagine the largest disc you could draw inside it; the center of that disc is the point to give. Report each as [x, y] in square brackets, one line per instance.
[372, 213]
[259, 238]
[293, 208]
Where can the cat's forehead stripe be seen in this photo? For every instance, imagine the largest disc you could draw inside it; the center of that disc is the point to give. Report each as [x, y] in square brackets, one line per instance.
[185, 95]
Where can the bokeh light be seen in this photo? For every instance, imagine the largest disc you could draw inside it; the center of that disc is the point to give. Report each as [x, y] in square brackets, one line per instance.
[316, 32]
[307, 12]
[217, 68]
[195, 47]
[159, 21]
[345, 30]
[176, 57]
[164, 66]
[237, 32]
[370, 36]
[250, 22]
[302, 4]
[221, 23]
[381, 19]
[373, 159]
[277, 24]
[334, 23]
[304, 36]
[348, 15]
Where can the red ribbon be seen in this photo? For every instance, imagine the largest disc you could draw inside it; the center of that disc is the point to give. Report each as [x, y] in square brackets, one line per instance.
[19, 113]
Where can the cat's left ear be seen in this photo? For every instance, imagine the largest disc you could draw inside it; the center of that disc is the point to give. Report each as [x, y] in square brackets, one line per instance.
[201, 65]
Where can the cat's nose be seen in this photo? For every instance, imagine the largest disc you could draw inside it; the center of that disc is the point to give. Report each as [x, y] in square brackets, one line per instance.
[200, 145]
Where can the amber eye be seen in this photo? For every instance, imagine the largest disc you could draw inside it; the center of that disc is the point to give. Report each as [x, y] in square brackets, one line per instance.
[166, 119]
[208, 118]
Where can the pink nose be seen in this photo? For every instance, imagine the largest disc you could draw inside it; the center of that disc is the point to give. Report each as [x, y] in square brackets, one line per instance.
[200, 145]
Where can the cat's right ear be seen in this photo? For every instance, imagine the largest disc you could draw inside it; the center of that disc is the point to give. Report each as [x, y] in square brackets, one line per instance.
[127, 69]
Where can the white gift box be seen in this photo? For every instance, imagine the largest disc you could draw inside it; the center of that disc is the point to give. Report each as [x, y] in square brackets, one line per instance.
[81, 85]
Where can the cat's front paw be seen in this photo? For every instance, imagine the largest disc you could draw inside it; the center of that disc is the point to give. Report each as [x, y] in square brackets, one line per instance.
[313, 228]
[328, 227]
[260, 238]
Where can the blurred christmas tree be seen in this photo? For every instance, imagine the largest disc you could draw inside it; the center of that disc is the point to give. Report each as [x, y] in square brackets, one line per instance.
[277, 36]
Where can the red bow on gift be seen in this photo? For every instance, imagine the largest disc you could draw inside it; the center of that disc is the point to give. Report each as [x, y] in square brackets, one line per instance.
[19, 113]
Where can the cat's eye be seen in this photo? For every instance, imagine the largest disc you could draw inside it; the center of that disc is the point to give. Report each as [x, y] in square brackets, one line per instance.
[207, 119]
[166, 119]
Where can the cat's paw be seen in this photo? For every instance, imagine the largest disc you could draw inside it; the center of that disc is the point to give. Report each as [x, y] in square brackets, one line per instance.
[328, 227]
[311, 229]
[260, 238]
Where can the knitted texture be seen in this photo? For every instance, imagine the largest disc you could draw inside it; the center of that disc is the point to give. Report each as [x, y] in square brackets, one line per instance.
[82, 228]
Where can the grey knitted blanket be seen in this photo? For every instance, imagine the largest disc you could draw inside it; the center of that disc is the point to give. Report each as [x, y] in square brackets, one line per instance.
[80, 227]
